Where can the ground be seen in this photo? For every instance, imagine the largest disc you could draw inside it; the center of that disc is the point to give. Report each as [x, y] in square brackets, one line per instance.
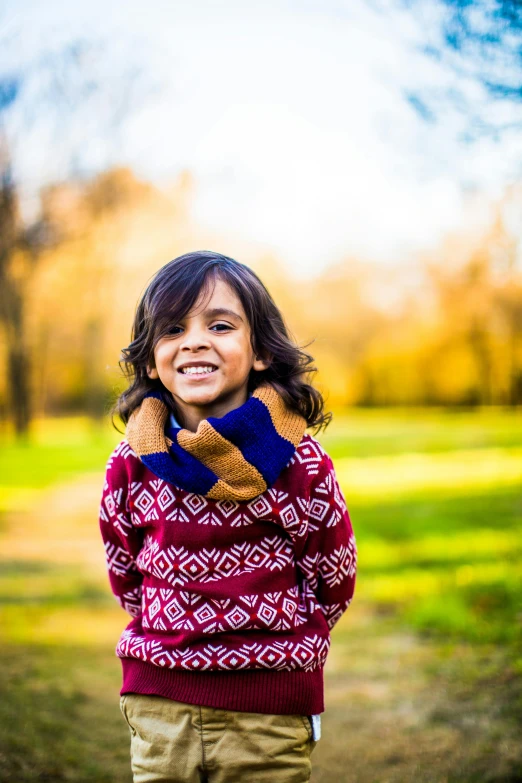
[423, 680]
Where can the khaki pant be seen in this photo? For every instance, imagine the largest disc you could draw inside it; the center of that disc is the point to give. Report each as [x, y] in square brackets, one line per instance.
[173, 742]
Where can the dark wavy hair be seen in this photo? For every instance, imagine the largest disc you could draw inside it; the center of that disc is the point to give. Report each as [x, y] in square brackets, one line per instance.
[168, 298]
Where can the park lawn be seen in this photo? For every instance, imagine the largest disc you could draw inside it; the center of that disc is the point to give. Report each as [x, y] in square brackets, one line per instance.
[427, 660]
[59, 715]
[54, 451]
[60, 448]
[380, 431]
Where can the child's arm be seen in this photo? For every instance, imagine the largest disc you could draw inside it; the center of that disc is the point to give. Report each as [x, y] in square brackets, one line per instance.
[327, 556]
[122, 540]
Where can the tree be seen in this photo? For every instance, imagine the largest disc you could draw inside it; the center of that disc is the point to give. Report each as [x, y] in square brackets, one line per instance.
[67, 83]
[480, 45]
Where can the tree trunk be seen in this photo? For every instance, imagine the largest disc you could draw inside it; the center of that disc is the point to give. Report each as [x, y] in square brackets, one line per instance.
[18, 358]
[19, 388]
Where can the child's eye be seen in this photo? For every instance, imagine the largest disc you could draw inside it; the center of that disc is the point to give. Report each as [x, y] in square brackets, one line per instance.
[220, 327]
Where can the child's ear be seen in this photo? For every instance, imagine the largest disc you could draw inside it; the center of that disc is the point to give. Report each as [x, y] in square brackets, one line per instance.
[261, 364]
[152, 372]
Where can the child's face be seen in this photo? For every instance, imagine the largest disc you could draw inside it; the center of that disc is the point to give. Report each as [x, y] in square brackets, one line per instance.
[208, 339]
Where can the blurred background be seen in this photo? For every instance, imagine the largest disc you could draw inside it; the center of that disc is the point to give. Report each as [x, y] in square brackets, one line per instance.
[364, 157]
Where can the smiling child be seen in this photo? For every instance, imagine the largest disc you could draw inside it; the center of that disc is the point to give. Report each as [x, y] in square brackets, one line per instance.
[226, 533]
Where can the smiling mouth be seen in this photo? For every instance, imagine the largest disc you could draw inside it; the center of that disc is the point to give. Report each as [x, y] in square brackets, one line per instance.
[197, 374]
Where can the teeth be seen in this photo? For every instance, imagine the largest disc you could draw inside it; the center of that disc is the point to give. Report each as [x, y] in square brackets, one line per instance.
[196, 370]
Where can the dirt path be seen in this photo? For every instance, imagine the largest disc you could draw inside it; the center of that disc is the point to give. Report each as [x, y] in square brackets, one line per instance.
[61, 526]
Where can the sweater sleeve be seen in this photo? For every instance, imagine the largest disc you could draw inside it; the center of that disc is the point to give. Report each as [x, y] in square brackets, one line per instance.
[122, 540]
[327, 556]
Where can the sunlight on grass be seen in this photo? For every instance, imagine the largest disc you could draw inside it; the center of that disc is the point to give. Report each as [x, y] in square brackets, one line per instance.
[375, 478]
[471, 545]
[63, 431]
[68, 626]
[18, 498]
[411, 583]
[57, 450]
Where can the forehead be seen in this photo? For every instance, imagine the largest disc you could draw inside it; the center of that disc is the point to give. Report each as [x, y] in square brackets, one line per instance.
[219, 294]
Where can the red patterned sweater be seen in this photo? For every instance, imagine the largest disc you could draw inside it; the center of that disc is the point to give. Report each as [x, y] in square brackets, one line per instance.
[232, 603]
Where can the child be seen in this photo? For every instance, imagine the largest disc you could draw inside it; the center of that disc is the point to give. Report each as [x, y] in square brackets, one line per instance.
[227, 536]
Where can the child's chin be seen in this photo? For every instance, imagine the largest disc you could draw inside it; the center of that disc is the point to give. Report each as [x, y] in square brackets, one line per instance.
[196, 380]
[199, 396]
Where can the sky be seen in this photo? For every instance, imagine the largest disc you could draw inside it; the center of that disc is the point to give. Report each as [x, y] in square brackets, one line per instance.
[297, 119]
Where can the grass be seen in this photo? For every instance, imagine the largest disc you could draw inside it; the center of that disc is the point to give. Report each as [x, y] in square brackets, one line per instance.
[380, 431]
[423, 680]
[59, 716]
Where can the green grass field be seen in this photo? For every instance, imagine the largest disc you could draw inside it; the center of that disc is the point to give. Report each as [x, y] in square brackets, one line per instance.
[424, 676]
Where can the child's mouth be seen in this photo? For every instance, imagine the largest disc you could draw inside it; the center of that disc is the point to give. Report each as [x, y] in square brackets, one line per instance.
[199, 375]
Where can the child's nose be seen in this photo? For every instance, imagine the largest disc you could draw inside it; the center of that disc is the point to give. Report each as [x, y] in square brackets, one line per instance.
[194, 339]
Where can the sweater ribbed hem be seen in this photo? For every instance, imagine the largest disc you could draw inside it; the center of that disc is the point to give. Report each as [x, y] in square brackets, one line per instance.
[256, 690]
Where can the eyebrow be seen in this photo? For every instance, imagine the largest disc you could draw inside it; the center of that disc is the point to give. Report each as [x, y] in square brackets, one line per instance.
[215, 311]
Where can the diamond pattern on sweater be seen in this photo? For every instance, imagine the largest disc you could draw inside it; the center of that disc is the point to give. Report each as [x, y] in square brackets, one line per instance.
[227, 507]
[339, 564]
[123, 524]
[306, 654]
[333, 508]
[118, 559]
[131, 601]
[178, 515]
[210, 518]
[310, 454]
[259, 507]
[170, 609]
[150, 501]
[308, 565]
[271, 575]
[179, 565]
[166, 497]
[123, 450]
[110, 505]
[333, 612]
[144, 501]
[195, 502]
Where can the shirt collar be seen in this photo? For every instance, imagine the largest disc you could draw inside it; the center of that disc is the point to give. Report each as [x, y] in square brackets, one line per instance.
[173, 422]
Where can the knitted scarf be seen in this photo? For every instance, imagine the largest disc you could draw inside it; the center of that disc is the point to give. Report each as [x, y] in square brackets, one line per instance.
[235, 457]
